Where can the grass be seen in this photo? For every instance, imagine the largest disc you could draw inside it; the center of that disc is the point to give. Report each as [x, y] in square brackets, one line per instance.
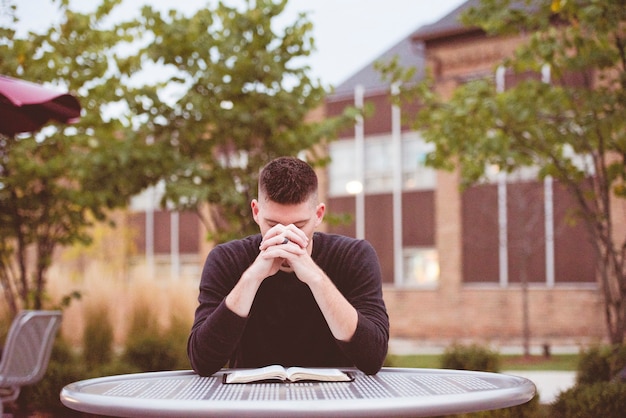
[561, 362]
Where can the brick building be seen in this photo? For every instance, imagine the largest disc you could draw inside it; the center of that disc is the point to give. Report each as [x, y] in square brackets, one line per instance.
[454, 262]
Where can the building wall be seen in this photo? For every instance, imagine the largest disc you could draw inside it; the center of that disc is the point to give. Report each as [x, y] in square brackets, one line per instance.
[574, 257]
[461, 58]
[418, 223]
[158, 260]
[493, 315]
[469, 303]
[189, 232]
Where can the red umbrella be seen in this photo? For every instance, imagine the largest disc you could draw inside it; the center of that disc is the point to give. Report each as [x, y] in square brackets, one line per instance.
[26, 106]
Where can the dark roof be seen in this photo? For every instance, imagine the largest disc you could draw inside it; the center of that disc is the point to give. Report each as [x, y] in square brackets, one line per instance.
[446, 26]
[449, 25]
[410, 53]
[411, 50]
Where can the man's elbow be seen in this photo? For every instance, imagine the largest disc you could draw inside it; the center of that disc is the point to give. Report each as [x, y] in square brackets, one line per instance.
[374, 365]
[198, 360]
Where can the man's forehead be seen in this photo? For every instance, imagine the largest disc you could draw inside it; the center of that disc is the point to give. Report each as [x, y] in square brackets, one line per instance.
[310, 200]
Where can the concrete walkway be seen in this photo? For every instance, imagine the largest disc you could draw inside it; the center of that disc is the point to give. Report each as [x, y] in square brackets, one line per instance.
[549, 383]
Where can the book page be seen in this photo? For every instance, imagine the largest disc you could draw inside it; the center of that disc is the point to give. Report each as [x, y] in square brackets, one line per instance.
[262, 373]
[302, 373]
[293, 374]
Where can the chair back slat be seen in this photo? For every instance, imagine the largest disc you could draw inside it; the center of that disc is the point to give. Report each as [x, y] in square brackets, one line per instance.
[28, 347]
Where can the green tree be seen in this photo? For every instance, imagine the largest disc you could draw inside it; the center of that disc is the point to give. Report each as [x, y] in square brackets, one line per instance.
[574, 132]
[246, 97]
[55, 183]
[242, 98]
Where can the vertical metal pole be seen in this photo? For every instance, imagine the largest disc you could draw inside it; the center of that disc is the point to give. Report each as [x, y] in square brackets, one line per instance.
[150, 233]
[503, 252]
[502, 231]
[396, 145]
[359, 142]
[548, 198]
[549, 226]
[174, 245]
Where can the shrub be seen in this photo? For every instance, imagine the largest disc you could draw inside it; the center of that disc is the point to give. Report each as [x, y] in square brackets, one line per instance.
[97, 337]
[600, 399]
[150, 353]
[600, 364]
[177, 335]
[470, 357]
[148, 348]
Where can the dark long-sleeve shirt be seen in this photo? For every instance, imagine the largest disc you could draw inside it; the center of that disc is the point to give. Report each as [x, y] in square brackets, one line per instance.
[285, 326]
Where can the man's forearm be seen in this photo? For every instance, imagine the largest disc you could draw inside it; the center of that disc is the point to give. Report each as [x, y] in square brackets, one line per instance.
[240, 299]
[340, 315]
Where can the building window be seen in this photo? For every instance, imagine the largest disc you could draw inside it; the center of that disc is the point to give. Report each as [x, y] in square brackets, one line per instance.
[378, 165]
[415, 174]
[421, 267]
[341, 170]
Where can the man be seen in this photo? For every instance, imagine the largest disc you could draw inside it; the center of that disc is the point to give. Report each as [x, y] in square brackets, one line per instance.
[290, 295]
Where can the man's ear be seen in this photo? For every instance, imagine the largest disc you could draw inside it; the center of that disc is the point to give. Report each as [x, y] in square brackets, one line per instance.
[319, 213]
[254, 204]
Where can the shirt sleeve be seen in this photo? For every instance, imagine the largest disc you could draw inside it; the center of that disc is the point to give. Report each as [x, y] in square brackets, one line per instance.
[216, 330]
[361, 284]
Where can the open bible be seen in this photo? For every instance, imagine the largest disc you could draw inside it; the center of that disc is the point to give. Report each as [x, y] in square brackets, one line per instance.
[291, 374]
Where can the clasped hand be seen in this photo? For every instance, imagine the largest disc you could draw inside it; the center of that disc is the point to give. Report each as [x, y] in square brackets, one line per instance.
[286, 248]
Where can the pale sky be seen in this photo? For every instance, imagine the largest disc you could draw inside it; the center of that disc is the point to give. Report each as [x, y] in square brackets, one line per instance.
[348, 34]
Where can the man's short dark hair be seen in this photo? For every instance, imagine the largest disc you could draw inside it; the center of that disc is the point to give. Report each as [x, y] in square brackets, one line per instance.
[288, 181]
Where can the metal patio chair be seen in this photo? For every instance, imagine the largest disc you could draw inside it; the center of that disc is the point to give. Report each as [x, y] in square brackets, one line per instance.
[26, 351]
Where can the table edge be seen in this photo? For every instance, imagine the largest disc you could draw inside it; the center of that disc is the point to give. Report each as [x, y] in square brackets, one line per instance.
[522, 392]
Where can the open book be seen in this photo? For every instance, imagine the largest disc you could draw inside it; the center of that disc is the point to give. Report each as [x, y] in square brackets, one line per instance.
[291, 374]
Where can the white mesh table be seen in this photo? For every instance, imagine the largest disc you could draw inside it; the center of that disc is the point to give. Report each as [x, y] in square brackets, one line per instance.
[391, 392]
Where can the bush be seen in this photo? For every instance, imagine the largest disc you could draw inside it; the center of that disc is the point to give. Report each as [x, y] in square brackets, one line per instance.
[177, 335]
[600, 364]
[150, 353]
[471, 357]
[600, 399]
[150, 349]
[97, 337]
